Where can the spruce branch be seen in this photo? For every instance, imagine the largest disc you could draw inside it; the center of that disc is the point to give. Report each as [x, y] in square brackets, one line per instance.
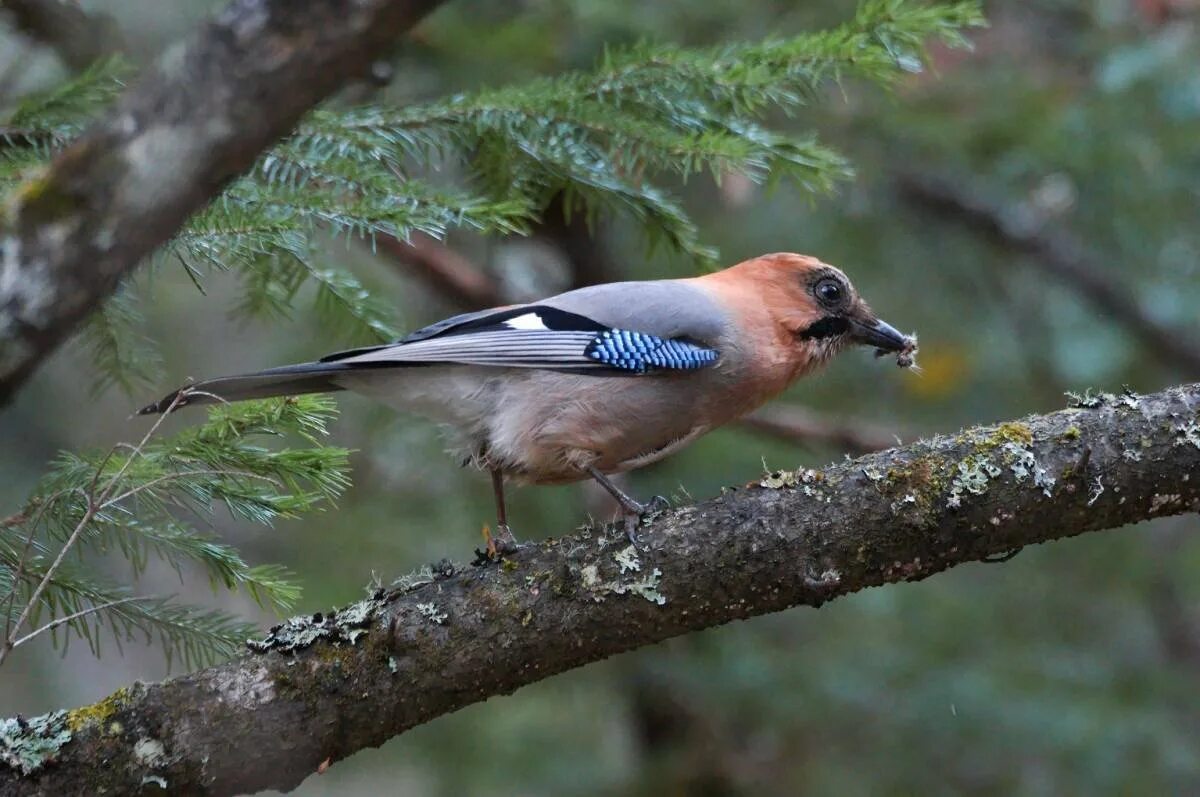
[72, 618]
[48, 120]
[229, 92]
[604, 140]
[129, 500]
[120, 352]
[92, 503]
[652, 109]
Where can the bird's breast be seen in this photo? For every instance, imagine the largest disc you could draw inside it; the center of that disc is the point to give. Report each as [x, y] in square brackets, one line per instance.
[550, 426]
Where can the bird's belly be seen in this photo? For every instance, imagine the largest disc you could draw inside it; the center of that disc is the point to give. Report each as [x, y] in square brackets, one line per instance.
[461, 398]
[549, 427]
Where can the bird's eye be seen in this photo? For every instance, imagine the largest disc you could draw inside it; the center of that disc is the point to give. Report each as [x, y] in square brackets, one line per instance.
[829, 292]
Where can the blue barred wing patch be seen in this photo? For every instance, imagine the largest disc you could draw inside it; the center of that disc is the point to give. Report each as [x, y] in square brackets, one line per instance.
[639, 352]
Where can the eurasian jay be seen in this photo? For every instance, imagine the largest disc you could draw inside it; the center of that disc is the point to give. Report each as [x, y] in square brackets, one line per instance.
[599, 380]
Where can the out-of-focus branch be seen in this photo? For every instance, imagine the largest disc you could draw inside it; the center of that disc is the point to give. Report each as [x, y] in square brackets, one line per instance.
[580, 242]
[79, 38]
[805, 427]
[1177, 622]
[1054, 251]
[443, 269]
[322, 687]
[468, 286]
[173, 141]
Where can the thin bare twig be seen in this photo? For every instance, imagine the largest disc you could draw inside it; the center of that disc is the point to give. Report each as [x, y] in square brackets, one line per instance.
[50, 626]
[803, 426]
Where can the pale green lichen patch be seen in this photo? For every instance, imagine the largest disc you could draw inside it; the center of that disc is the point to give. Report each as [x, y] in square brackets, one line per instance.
[1008, 446]
[1013, 432]
[778, 479]
[1162, 501]
[627, 562]
[29, 744]
[1087, 400]
[873, 475]
[805, 479]
[149, 752]
[973, 476]
[345, 625]
[591, 576]
[414, 580]
[431, 613]
[791, 478]
[1187, 434]
[646, 587]
[1024, 466]
[1091, 401]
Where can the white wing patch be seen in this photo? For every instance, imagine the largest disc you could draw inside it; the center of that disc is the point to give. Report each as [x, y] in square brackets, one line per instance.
[529, 321]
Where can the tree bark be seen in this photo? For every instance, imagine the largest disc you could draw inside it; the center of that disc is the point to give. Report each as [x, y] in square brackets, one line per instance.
[173, 141]
[320, 688]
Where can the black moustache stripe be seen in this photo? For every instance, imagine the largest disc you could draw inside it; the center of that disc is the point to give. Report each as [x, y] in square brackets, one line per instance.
[828, 327]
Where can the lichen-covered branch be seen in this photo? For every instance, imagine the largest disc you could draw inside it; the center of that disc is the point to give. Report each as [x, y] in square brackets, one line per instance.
[193, 122]
[322, 687]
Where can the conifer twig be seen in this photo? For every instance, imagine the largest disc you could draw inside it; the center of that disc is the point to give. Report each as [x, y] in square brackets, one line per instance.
[166, 477]
[238, 84]
[94, 504]
[55, 623]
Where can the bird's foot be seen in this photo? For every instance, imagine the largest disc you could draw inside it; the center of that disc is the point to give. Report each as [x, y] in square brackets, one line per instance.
[635, 512]
[499, 544]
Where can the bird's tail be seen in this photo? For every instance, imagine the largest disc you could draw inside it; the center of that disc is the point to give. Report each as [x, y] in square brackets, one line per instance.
[288, 380]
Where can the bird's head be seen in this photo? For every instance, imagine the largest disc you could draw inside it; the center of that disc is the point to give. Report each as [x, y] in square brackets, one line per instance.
[815, 310]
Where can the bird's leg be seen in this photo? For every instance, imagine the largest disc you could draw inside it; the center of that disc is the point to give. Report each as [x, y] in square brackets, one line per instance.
[503, 542]
[631, 510]
[630, 505]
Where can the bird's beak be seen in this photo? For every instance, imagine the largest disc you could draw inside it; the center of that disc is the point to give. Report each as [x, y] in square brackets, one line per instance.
[880, 334]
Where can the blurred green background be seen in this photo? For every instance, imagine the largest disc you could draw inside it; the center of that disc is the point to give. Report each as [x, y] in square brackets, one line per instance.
[1072, 669]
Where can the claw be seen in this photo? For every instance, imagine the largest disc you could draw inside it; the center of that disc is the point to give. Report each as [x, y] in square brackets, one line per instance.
[632, 519]
[501, 543]
[505, 541]
[657, 504]
[631, 525]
